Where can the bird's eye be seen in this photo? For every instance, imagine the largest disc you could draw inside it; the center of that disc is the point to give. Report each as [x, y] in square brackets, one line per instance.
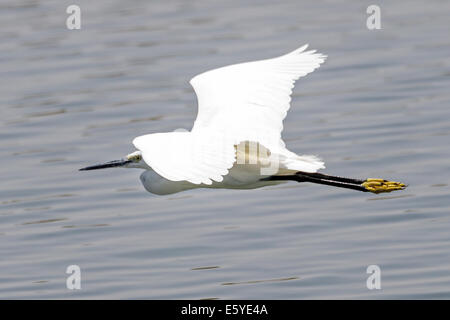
[136, 157]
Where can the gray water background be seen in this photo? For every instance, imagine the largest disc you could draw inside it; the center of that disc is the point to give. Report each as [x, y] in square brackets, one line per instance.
[378, 107]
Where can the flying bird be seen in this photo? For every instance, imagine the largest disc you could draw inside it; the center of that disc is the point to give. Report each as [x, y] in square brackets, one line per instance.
[236, 142]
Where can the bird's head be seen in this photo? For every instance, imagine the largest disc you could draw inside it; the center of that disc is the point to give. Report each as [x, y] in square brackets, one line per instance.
[133, 160]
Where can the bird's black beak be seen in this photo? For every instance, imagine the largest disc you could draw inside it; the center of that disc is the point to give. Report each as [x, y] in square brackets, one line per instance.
[110, 164]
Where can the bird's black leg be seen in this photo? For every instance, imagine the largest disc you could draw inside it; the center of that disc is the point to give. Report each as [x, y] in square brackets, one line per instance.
[367, 185]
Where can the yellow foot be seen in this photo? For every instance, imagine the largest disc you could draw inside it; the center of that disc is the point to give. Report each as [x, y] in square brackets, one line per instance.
[381, 185]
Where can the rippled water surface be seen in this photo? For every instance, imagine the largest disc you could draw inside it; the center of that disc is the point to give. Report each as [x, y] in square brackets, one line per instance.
[378, 107]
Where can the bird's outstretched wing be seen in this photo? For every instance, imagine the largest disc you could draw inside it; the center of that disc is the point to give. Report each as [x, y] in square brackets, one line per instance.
[242, 102]
[248, 101]
[187, 156]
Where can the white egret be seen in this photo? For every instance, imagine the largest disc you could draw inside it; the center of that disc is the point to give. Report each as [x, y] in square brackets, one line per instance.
[235, 142]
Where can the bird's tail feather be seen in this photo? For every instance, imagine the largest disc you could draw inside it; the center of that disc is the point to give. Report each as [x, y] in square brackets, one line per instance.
[304, 163]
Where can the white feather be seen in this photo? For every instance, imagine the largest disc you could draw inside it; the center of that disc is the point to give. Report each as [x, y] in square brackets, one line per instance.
[241, 102]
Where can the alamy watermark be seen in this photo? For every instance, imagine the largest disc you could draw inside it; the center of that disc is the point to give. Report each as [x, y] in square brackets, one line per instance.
[73, 281]
[374, 280]
[374, 20]
[73, 22]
